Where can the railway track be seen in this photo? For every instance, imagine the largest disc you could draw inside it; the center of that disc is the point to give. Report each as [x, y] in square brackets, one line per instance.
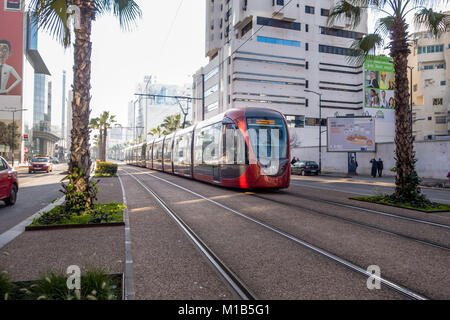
[351, 221]
[392, 215]
[386, 282]
[230, 278]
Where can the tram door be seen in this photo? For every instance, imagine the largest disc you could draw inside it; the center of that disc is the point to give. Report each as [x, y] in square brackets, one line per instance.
[352, 163]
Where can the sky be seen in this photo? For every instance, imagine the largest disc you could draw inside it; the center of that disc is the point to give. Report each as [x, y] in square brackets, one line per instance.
[167, 42]
[121, 59]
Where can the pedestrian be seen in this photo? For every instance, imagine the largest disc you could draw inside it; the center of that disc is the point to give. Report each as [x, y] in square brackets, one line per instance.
[293, 160]
[356, 166]
[380, 167]
[374, 167]
[448, 175]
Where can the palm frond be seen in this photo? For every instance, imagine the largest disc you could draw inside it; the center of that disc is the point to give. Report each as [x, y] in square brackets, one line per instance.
[52, 16]
[127, 11]
[360, 48]
[434, 22]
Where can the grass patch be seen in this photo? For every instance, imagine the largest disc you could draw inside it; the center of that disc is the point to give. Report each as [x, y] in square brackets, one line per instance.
[383, 199]
[105, 175]
[102, 213]
[95, 284]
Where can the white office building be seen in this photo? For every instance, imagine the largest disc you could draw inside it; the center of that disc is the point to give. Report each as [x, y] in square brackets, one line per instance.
[429, 61]
[266, 53]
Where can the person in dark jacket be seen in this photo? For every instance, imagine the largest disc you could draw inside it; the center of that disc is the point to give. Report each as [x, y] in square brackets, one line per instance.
[293, 160]
[374, 167]
[380, 167]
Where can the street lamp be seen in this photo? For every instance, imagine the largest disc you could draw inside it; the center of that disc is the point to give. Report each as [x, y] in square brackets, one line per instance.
[13, 130]
[320, 127]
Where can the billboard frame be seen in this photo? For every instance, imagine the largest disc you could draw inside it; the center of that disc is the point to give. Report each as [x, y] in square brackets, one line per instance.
[351, 117]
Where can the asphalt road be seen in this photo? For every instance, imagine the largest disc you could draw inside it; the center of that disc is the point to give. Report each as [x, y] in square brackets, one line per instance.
[362, 188]
[36, 191]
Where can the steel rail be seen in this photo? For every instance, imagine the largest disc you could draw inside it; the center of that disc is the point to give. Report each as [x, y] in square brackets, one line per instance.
[435, 224]
[239, 288]
[354, 222]
[396, 287]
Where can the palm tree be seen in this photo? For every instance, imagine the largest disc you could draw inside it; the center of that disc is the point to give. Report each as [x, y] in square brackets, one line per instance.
[106, 121]
[95, 124]
[393, 24]
[172, 123]
[52, 15]
[158, 132]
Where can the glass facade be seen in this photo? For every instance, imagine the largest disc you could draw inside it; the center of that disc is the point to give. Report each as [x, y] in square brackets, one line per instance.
[283, 42]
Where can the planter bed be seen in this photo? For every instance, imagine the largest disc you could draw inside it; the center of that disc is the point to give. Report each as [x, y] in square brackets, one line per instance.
[403, 206]
[116, 279]
[74, 226]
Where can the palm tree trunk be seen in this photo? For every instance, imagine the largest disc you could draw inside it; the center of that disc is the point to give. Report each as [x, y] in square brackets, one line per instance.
[406, 180]
[105, 134]
[79, 155]
[100, 143]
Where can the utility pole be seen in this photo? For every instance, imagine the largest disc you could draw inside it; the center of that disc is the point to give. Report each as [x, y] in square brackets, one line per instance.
[411, 99]
[320, 127]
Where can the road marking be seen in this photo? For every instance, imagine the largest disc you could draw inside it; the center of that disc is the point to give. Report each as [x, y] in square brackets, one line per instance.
[129, 276]
[18, 229]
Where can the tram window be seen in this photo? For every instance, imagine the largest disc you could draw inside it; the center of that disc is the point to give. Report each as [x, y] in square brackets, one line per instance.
[182, 149]
[207, 144]
[157, 155]
[268, 138]
[233, 145]
[167, 149]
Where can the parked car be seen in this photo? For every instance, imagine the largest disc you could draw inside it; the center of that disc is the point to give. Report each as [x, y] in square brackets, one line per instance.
[9, 184]
[305, 167]
[40, 164]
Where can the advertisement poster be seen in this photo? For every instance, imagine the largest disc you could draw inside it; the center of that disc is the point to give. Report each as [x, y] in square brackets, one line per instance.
[351, 135]
[379, 83]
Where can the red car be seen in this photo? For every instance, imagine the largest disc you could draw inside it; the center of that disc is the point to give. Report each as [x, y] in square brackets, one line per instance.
[9, 185]
[40, 164]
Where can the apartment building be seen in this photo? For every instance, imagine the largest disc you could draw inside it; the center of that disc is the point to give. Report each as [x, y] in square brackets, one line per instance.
[266, 53]
[429, 60]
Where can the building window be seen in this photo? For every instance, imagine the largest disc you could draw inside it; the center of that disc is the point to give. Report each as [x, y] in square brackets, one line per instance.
[431, 49]
[248, 27]
[307, 28]
[441, 119]
[212, 106]
[280, 2]
[278, 23]
[306, 46]
[438, 101]
[307, 84]
[210, 74]
[309, 9]
[415, 87]
[333, 50]
[306, 65]
[211, 90]
[283, 42]
[324, 12]
[443, 83]
[341, 33]
[295, 121]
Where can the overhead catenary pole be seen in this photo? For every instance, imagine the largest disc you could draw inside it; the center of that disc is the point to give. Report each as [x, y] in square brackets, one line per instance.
[320, 127]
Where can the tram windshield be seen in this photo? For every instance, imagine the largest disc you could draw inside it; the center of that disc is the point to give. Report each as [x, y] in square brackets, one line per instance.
[268, 140]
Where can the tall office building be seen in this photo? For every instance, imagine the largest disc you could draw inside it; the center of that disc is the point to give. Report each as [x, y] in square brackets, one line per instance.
[265, 53]
[148, 112]
[429, 60]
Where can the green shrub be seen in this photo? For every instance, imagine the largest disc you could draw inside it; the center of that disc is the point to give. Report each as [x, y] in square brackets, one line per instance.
[7, 289]
[95, 285]
[101, 213]
[108, 168]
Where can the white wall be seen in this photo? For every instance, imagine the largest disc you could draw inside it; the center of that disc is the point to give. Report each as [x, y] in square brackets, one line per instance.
[433, 158]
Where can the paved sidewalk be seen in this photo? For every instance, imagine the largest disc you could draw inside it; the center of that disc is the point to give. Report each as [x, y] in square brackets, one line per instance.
[33, 252]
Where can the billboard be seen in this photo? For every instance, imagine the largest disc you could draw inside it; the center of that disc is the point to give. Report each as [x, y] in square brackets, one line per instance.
[351, 134]
[379, 84]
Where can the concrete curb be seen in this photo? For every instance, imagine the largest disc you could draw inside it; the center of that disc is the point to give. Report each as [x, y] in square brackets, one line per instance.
[17, 230]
